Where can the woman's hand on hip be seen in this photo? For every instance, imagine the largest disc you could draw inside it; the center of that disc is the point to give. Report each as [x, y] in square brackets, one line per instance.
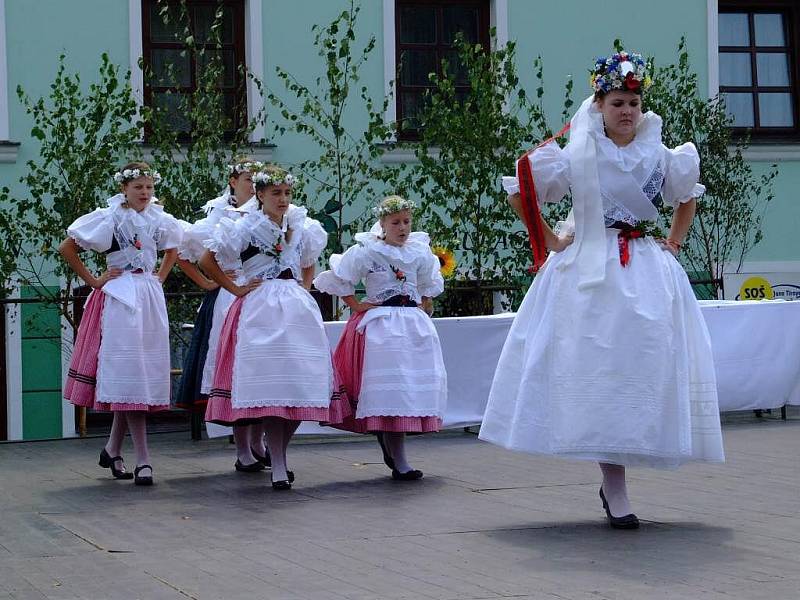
[105, 277]
[243, 290]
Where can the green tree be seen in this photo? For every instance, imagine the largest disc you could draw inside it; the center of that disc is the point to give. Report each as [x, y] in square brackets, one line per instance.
[347, 174]
[467, 144]
[84, 133]
[191, 136]
[729, 216]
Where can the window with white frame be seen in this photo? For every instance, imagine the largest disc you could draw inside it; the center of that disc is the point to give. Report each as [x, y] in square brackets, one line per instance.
[175, 69]
[424, 35]
[758, 76]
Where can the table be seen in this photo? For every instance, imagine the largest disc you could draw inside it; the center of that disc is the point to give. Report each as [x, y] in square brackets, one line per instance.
[756, 353]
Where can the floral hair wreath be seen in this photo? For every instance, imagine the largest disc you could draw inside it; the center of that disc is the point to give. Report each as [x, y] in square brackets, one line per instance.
[237, 169]
[275, 178]
[393, 204]
[626, 71]
[127, 175]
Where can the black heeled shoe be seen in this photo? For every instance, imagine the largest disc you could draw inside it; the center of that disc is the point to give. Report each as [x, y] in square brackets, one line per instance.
[265, 460]
[281, 485]
[387, 458]
[107, 462]
[630, 521]
[253, 468]
[144, 479]
[411, 475]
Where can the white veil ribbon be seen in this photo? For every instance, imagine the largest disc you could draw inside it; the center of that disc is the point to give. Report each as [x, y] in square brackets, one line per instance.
[588, 249]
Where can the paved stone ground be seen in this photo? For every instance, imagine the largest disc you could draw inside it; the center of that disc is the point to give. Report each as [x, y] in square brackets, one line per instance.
[484, 523]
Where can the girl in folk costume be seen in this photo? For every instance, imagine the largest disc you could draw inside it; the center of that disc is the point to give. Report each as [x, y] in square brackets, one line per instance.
[273, 360]
[609, 358]
[389, 356]
[198, 372]
[121, 360]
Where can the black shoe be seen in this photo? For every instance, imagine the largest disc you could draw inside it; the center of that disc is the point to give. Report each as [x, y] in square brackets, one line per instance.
[265, 460]
[144, 479]
[281, 485]
[387, 458]
[290, 475]
[253, 468]
[107, 462]
[630, 521]
[411, 475]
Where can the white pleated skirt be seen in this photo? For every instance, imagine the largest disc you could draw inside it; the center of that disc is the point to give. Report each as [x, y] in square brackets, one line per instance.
[133, 365]
[282, 356]
[403, 374]
[620, 373]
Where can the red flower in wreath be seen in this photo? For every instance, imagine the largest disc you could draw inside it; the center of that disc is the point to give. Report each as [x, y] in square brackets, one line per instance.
[631, 83]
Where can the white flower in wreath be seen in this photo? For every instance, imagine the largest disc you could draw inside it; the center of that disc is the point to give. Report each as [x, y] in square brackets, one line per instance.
[264, 178]
[127, 175]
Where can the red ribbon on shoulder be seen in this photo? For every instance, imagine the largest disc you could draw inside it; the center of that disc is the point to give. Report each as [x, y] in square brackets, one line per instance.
[530, 203]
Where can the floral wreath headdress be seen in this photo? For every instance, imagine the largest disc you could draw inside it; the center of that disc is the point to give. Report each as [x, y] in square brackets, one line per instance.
[393, 204]
[237, 169]
[625, 71]
[126, 175]
[266, 178]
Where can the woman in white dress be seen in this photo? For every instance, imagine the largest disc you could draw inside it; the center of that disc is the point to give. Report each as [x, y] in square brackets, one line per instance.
[389, 357]
[121, 358]
[609, 358]
[273, 357]
[198, 369]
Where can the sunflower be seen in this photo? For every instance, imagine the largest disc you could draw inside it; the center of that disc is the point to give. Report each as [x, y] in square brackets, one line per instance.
[447, 260]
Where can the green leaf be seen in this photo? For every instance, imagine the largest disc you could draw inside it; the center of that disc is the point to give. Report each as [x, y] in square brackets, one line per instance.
[332, 206]
[329, 224]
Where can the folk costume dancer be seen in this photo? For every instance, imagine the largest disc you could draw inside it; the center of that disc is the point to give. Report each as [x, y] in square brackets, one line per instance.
[121, 359]
[608, 358]
[389, 357]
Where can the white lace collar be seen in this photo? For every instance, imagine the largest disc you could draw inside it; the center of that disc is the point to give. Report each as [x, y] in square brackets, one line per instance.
[644, 147]
[223, 202]
[150, 215]
[417, 244]
[292, 219]
[246, 208]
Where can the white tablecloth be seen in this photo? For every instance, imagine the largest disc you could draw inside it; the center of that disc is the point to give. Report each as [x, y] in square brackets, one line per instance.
[756, 353]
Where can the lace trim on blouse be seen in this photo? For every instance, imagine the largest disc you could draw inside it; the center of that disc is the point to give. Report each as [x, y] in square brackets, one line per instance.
[614, 212]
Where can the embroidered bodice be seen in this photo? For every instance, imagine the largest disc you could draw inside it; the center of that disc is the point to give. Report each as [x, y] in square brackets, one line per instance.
[265, 249]
[386, 270]
[131, 240]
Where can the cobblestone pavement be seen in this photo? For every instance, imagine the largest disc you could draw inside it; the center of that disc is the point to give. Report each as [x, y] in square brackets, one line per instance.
[483, 523]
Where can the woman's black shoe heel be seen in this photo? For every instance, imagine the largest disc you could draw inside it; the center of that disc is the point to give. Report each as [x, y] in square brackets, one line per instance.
[252, 468]
[387, 458]
[281, 485]
[411, 475]
[107, 462]
[630, 521]
[265, 460]
[144, 479]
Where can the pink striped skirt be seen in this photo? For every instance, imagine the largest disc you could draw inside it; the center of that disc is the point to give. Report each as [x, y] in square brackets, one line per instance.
[348, 366]
[81, 385]
[219, 408]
